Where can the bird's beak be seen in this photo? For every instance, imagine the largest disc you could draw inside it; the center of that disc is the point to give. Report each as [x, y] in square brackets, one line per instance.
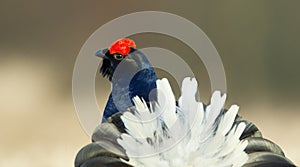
[101, 53]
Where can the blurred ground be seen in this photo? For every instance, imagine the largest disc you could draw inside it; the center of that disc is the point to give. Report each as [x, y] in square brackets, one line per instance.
[258, 42]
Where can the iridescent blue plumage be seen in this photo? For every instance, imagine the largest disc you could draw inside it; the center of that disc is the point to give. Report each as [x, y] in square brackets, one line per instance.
[141, 85]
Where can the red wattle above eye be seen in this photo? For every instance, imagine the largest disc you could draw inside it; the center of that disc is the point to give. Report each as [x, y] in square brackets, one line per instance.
[122, 46]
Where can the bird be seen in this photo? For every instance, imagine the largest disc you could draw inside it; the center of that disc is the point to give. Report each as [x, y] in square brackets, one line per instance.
[115, 142]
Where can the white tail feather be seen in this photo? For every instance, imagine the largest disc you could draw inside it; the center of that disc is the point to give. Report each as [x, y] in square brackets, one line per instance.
[166, 101]
[192, 137]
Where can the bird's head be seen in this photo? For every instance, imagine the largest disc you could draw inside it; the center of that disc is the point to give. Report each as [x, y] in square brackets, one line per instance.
[122, 50]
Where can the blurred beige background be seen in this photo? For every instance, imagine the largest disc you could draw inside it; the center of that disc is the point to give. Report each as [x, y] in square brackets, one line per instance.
[258, 42]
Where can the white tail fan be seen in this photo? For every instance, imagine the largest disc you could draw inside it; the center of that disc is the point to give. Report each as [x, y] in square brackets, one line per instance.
[167, 135]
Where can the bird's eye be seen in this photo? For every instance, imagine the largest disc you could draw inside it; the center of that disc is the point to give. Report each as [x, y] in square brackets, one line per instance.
[118, 57]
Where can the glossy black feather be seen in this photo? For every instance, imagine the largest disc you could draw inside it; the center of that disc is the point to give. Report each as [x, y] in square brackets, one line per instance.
[104, 162]
[258, 144]
[106, 68]
[267, 159]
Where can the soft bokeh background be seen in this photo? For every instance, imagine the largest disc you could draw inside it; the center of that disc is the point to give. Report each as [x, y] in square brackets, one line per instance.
[258, 42]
